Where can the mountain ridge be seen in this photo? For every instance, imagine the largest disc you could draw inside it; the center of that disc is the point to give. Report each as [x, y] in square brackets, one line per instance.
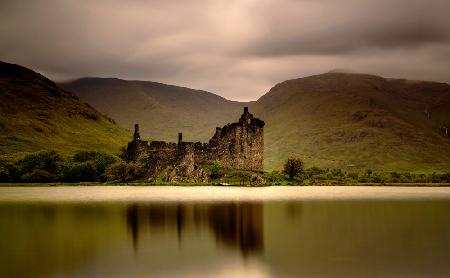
[161, 110]
[358, 113]
[310, 117]
[352, 121]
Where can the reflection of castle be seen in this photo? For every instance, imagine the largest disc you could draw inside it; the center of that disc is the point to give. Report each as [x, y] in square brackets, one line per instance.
[235, 225]
[238, 146]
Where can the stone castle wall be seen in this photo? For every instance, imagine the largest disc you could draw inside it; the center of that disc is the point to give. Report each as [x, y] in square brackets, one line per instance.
[238, 145]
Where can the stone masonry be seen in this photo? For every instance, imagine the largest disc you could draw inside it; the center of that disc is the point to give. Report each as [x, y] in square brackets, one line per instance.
[237, 145]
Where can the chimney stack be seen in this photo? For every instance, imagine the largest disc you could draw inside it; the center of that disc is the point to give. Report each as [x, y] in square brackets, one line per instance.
[245, 110]
[180, 137]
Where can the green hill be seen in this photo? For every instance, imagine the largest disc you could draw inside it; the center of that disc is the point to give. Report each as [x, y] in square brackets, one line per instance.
[161, 110]
[35, 114]
[336, 120]
[357, 121]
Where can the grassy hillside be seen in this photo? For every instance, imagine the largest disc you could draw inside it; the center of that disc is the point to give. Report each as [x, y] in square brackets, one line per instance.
[355, 121]
[35, 115]
[161, 110]
[348, 121]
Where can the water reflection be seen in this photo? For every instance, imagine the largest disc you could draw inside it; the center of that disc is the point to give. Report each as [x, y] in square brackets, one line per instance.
[234, 225]
[385, 238]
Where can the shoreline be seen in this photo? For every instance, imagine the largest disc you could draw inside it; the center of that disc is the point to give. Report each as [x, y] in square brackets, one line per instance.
[173, 194]
[140, 184]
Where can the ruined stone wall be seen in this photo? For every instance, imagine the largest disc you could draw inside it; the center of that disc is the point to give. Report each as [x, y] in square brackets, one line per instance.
[135, 148]
[237, 146]
[162, 155]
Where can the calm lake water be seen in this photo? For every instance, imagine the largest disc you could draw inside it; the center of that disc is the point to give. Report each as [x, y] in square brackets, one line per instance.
[224, 232]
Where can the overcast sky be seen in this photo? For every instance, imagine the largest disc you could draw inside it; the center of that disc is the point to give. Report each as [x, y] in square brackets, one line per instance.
[238, 49]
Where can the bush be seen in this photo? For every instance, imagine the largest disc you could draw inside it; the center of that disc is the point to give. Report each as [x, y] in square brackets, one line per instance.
[377, 178]
[80, 172]
[38, 175]
[293, 167]
[215, 170]
[8, 172]
[117, 171]
[123, 154]
[143, 164]
[274, 176]
[353, 176]
[48, 162]
[42, 166]
[98, 160]
[134, 171]
[102, 161]
[313, 171]
[84, 156]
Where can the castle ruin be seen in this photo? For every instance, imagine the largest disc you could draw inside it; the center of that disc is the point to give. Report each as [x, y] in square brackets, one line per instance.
[237, 145]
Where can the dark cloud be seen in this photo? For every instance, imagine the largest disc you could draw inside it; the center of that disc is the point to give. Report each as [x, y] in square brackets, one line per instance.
[236, 48]
[342, 27]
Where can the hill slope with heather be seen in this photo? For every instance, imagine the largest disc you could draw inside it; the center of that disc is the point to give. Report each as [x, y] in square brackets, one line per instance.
[161, 110]
[35, 114]
[357, 121]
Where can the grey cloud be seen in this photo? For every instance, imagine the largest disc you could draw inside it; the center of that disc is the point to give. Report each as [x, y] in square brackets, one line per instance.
[340, 27]
[235, 48]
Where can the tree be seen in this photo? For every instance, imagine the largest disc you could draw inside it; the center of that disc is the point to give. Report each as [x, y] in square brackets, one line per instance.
[79, 172]
[99, 160]
[43, 166]
[293, 167]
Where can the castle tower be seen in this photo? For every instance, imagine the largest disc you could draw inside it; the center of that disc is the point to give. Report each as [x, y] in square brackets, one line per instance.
[137, 146]
[240, 145]
[246, 117]
[136, 135]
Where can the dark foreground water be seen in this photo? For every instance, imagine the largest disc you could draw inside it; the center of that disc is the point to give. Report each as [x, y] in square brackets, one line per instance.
[328, 233]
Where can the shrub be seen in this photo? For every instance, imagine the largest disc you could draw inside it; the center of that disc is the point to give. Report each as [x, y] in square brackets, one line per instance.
[117, 171]
[47, 161]
[38, 175]
[313, 171]
[274, 176]
[80, 172]
[394, 177]
[377, 178]
[84, 156]
[98, 160]
[337, 173]
[215, 169]
[353, 176]
[143, 164]
[8, 172]
[102, 161]
[293, 167]
[257, 179]
[123, 153]
[133, 171]
[445, 177]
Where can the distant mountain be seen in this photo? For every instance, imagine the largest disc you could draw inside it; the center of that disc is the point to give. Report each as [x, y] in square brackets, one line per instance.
[35, 114]
[336, 120]
[357, 121]
[161, 110]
